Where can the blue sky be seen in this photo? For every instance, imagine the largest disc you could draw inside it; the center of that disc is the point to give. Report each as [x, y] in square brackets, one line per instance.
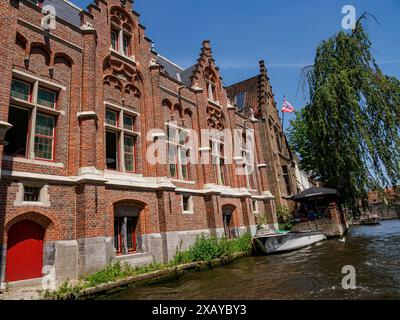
[283, 33]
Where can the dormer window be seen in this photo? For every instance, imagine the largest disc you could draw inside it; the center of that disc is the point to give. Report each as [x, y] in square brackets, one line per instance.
[240, 101]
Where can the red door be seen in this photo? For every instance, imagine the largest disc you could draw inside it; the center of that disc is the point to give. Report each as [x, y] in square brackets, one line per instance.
[24, 251]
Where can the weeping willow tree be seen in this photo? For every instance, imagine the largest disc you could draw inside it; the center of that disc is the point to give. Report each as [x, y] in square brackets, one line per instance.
[348, 134]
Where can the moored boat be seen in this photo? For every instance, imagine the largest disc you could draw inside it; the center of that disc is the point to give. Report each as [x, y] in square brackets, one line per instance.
[283, 242]
[370, 220]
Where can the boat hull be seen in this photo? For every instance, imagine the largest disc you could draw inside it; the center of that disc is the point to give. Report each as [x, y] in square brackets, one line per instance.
[370, 222]
[279, 243]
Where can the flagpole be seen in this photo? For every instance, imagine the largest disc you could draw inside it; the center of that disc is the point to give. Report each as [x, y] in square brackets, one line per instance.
[283, 118]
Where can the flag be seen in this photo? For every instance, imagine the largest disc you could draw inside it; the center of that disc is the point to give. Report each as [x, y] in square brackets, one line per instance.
[287, 107]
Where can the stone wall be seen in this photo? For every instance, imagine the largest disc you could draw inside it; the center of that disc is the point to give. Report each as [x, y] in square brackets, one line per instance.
[386, 212]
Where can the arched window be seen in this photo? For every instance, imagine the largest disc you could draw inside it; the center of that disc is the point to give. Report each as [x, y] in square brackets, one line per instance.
[121, 32]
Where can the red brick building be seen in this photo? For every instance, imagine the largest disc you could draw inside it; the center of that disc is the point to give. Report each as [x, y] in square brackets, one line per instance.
[255, 96]
[78, 107]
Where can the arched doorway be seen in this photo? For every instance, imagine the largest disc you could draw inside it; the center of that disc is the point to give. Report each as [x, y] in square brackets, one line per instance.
[24, 251]
[127, 228]
[227, 216]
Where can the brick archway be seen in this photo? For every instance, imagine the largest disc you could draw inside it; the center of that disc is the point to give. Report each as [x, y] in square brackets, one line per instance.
[44, 221]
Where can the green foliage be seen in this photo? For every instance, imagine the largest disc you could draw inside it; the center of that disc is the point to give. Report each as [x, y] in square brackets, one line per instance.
[284, 218]
[349, 132]
[118, 271]
[66, 291]
[209, 248]
[261, 220]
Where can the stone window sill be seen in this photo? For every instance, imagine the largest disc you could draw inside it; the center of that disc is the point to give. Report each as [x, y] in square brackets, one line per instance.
[34, 161]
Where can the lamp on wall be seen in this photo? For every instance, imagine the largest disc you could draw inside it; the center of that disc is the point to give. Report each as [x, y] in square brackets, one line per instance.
[4, 127]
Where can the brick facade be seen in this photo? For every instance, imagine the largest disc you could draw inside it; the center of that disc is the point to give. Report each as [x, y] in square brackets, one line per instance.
[81, 193]
[260, 101]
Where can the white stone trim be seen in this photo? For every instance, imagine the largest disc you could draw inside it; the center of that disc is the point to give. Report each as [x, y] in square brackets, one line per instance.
[121, 55]
[51, 178]
[34, 161]
[89, 170]
[158, 135]
[256, 208]
[29, 77]
[116, 107]
[135, 181]
[182, 181]
[52, 35]
[191, 210]
[265, 196]
[173, 125]
[215, 103]
[86, 114]
[227, 191]
[178, 95]
[44, 198]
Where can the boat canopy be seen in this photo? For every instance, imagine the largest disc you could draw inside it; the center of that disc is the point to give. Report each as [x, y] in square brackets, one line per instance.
[315, 192]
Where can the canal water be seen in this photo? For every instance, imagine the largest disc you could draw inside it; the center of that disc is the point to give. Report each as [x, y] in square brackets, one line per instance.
[312, 273]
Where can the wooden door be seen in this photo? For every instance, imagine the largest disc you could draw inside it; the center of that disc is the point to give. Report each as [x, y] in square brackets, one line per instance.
[24, 251]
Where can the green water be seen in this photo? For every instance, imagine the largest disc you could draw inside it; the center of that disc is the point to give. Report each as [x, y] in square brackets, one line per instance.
[312, 273]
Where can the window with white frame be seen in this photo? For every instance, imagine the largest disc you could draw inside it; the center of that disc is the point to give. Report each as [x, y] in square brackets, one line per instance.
[121, 140]
[187, 204]
[211, 84]
[121, 40]
[218, 161]
[33, 114]
[178, 152]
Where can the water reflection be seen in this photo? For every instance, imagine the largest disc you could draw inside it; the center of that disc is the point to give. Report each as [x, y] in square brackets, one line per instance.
[312, 273]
